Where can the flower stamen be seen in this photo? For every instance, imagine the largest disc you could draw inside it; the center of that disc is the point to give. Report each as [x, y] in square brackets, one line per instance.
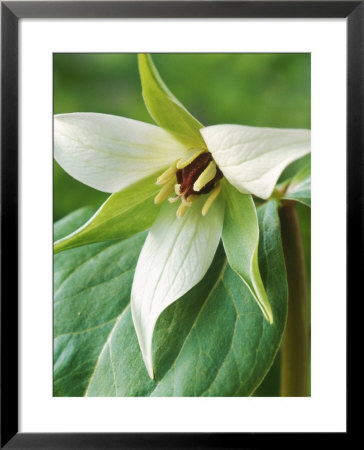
[207, 175]
[189, 200]
[213, 195]
[167, 175]
[190, 156]
[188, 178]
[192, 198]
[181, 211]
[165, 192]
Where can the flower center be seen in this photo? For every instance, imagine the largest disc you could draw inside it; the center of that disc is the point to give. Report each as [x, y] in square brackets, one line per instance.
[191, 176]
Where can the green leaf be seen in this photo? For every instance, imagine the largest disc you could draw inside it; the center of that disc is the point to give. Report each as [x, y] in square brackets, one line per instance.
[299, 188]
[294, 168]
[124, 213]
[241, 238]
[213, 341]
[165, 109]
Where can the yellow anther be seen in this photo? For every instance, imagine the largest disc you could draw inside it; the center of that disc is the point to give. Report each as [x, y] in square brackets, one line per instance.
[207, 175]
[190, 156]
[165, 192]
[167, 175]
[207, 205]
[177, 188]
[181, 211]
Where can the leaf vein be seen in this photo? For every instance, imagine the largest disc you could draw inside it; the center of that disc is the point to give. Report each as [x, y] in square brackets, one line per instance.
[105, 346]
[173, 365]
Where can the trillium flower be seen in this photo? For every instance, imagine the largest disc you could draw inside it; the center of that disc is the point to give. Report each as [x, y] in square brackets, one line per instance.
[206, 177]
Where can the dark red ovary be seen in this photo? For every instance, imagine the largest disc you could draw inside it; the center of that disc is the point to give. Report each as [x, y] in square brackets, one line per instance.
[187, 176]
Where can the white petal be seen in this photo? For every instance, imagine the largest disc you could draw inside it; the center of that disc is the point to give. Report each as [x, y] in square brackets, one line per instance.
[175, 257]
[108, 152]
[252, 158]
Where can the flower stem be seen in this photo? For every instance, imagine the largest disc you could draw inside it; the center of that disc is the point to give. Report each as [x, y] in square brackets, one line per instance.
[295, 345]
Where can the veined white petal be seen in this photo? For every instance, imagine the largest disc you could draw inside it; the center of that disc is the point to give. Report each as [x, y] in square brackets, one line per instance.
[252, 158]
[175, 257]
[108, 152]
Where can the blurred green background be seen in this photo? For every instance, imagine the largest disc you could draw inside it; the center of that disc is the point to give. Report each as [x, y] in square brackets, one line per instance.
[271, 90]
[267, 90]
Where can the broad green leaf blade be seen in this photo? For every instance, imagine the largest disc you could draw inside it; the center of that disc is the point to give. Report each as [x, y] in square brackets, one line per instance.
[91, 291]
[165, 109]
[299, 188]
[214, 341]
[241, 238]
[124, 213]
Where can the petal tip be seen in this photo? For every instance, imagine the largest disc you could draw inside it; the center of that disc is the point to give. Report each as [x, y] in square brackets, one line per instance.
[149, 365]
[268, 314]
[150, 372]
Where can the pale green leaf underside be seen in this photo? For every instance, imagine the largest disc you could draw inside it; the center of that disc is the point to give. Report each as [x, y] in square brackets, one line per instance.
[123, 214]
[164, 108]
[214, 341]
[299, 188]
[241, 238]
[294, 168]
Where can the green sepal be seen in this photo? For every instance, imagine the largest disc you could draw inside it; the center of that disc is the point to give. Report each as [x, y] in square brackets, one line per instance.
[165, 109]
[299, 188]
[240, 237]
[123, 214]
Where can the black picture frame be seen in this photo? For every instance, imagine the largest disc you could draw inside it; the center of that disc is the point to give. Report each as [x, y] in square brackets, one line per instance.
[11, 12]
